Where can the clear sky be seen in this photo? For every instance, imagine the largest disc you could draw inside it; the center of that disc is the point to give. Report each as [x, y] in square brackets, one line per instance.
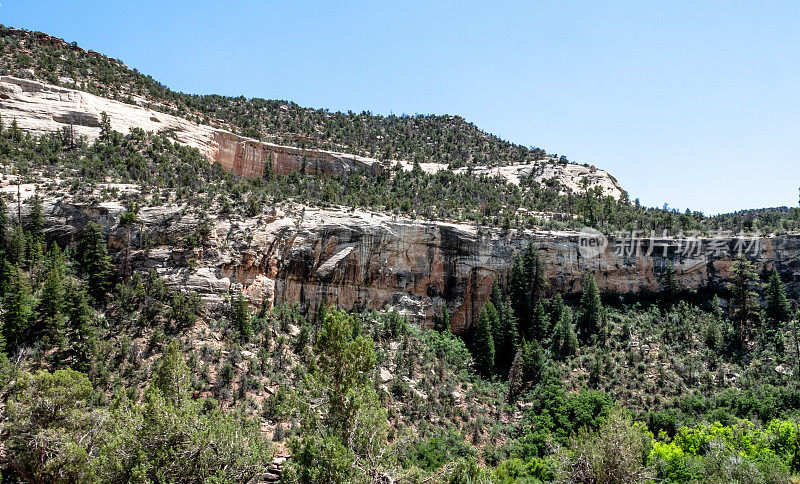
[696, 104]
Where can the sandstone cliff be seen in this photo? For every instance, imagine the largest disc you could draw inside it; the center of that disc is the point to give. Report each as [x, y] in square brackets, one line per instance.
[362, 259]
[41, 108]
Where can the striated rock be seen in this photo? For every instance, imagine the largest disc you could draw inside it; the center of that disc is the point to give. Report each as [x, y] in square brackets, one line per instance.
[43, 108]
[358, 259]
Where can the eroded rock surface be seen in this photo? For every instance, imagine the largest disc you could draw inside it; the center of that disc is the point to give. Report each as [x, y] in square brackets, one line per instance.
[357, 259]
[41, 108]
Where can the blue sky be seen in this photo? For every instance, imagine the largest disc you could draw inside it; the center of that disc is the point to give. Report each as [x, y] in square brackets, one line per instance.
[696, 104]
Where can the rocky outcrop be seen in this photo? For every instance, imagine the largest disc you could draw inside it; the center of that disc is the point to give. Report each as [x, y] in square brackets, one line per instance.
[357, 259]
[41, 108]
[567, 175]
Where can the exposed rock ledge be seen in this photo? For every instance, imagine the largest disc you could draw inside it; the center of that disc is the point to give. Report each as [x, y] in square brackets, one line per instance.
[370, 260]
[43, 108]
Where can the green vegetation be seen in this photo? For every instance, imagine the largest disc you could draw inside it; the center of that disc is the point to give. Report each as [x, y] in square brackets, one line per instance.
[110, 375]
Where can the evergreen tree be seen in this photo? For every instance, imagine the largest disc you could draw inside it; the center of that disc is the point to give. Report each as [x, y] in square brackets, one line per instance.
[442, 323]
[484, 351]
[18, 306]
[34, 252]
[496, 297]
[590, 319]
[565, 341]
[36, 221]
[533, 362]
[105, 127]
[535, 271]
[343, 425]
[519, 288]
[777, 305]
[669, 284]
[515, 376]
[184, 310]
[494, 321]
[4, 237]
[506, 346]
[713, 335]
[240, 316]
[744, 299]
[172, 378]
[96, 261]
[80, 320]
[528, 284]
[17, 247]
[539, 323]
[51, 305]
[556, 308]
[716, 307]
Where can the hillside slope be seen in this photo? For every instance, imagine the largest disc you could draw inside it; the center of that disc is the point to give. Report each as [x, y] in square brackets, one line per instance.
[438, 141]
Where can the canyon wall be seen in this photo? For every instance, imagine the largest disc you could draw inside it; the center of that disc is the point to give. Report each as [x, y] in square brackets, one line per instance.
[358, 259]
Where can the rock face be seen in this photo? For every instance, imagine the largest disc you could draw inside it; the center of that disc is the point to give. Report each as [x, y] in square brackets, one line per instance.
[42, 108]
[568, 175]
[358, 259]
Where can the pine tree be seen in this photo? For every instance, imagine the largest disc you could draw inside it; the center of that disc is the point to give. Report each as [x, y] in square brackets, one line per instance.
[240, 316]
[17, 247]
[36, 222]
[269, 169]
[172, 377]
[556, 308]
[744, 299]
[533, 362]
[51, 305]
[80, 321]
[535, 271]
[716, 307]
[484, 351]
[105, 127]
[18, 307]
[669, 284]
[528, 285]
[565, 341]
[442, 323]
[4, 238]
[539, 323]
[506, 347]
[777, 305]
[515, 375]
[34, 252]
[496, 297]
[590, 320]
[519, 288]
[494, 320]
[713, 335]
[96, 261]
